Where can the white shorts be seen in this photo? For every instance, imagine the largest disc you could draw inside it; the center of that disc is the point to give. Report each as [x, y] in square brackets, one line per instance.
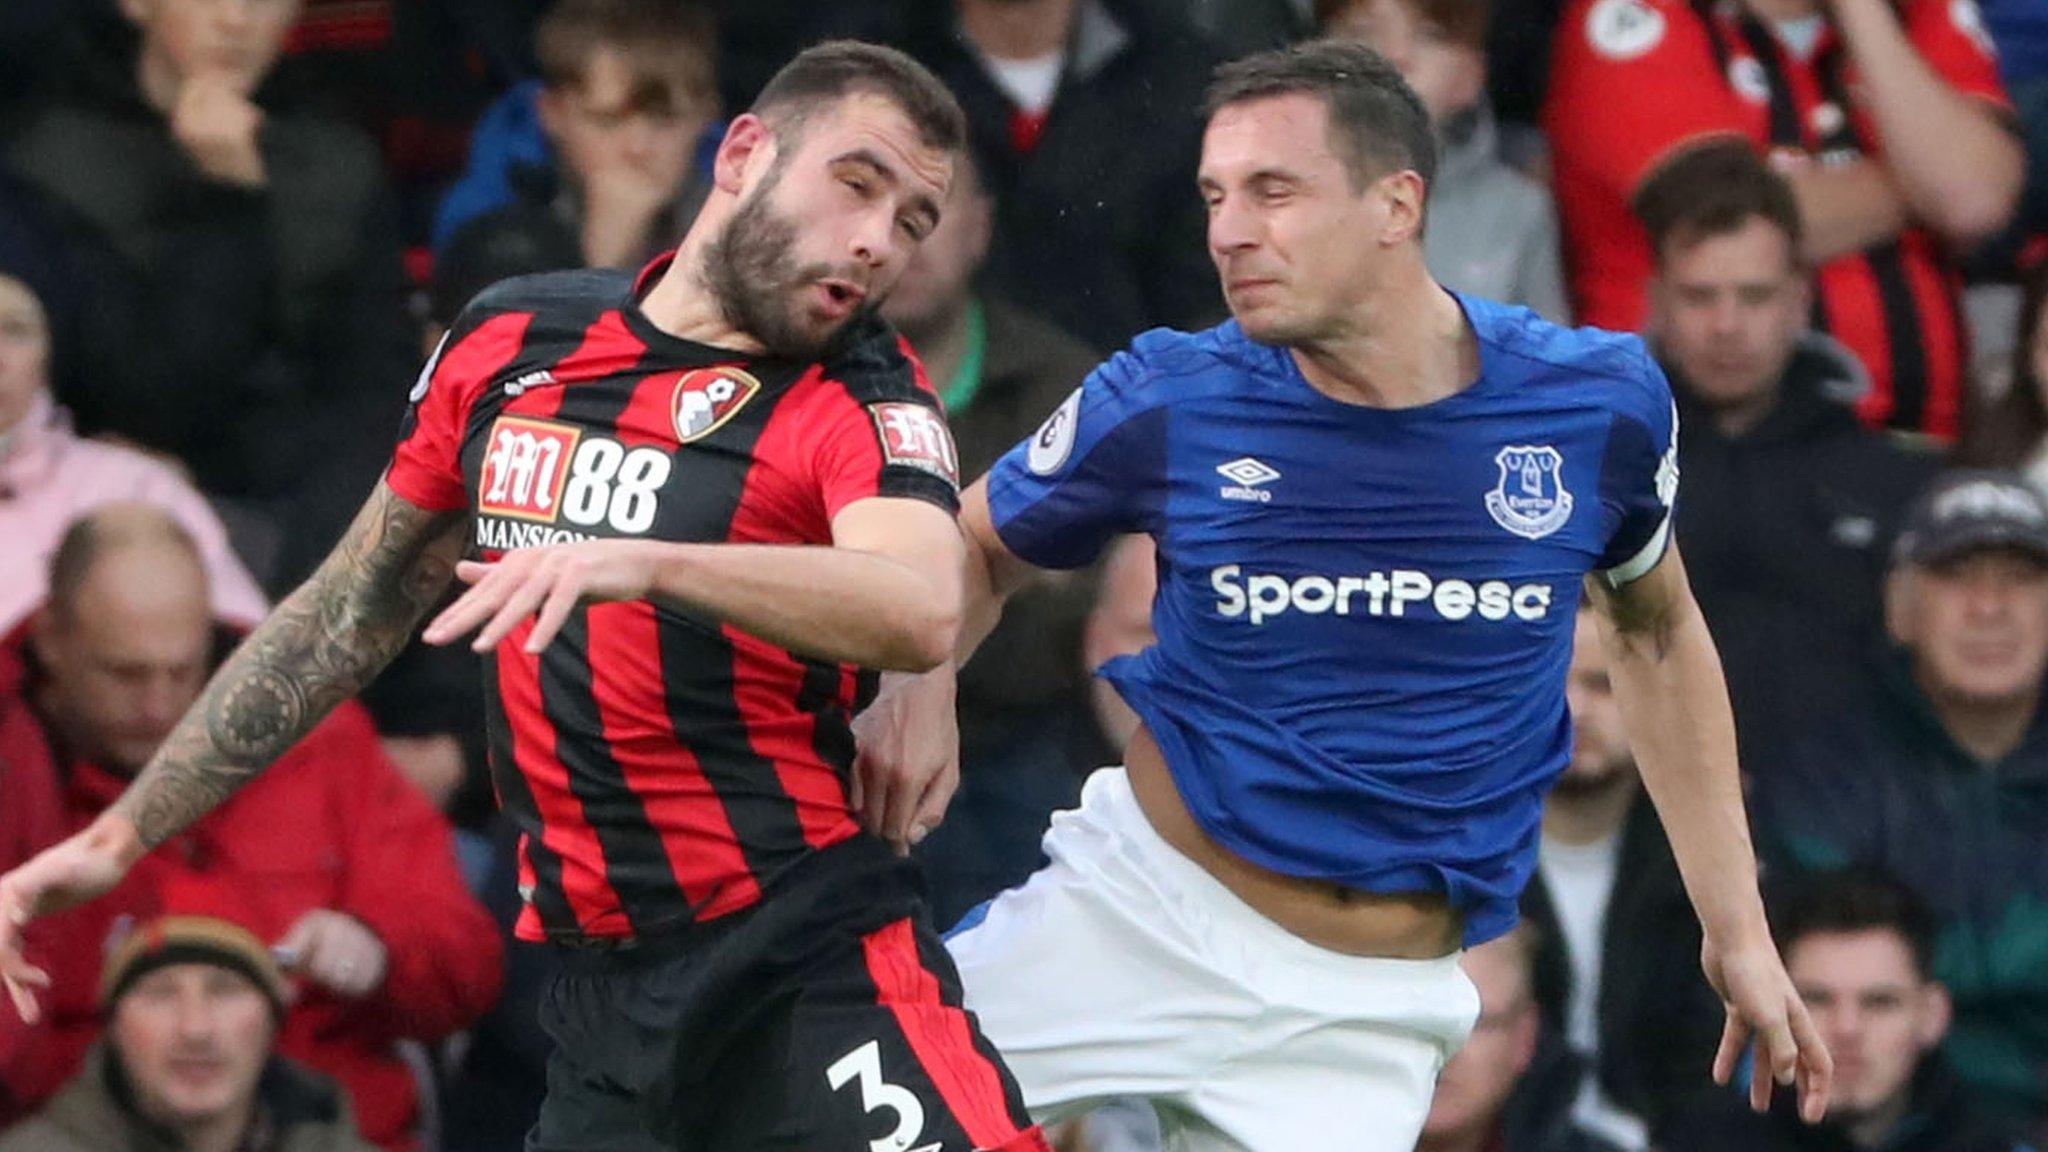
[1123, 969]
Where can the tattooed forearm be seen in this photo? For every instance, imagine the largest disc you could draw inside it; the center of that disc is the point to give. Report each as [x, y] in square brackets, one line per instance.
[317, 649]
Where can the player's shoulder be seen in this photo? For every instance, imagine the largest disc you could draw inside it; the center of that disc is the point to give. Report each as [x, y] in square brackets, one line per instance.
[1623, 30]
[1167, 363]
[572, 294]
[875, 364]
[1615, 369]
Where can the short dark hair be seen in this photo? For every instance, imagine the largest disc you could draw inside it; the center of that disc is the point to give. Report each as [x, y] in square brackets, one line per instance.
[1713, 190]
[1377, 120]
[1857, 899]
[670, 48]
[831, 71]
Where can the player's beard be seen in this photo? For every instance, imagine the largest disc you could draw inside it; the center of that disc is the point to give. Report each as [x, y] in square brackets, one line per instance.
[751, 270]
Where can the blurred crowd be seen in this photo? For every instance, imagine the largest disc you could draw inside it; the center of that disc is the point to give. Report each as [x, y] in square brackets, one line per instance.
[232, 230]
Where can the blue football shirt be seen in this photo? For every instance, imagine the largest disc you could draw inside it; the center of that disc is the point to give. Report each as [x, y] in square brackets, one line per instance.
[1364, 615]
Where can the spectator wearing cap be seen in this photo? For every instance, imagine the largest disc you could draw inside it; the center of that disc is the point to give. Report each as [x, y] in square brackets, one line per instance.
[331, 857]
[1492, 230]
[49, 477]
[1859, 946]
[189, 1063]
[1940, 776]
[1789, 501]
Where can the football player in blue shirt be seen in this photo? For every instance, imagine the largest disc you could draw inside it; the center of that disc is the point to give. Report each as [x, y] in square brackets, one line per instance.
[1375, 505]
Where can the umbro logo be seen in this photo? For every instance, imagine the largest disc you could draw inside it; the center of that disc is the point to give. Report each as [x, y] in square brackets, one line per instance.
[530, 380]
[1247, 475]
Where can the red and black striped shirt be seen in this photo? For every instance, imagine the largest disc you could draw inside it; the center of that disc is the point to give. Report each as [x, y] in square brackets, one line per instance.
[663, 768]
[1635, 82]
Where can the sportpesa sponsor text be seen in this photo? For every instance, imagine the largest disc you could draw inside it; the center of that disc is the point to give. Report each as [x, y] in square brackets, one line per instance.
[1259, 597]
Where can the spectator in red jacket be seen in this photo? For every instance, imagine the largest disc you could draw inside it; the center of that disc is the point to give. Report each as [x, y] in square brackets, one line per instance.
[332, 857]
[1887, 116]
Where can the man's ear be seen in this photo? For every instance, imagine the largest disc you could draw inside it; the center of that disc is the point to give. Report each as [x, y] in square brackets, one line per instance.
[1936, 1013]
[749, 142]
[1406, 197]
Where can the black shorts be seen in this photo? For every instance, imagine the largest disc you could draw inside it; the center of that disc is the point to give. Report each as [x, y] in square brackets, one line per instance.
[825, 1019]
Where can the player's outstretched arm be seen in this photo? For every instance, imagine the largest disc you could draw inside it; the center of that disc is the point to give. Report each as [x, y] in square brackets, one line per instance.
[884, 594]
[318, 648]
[1667, 677]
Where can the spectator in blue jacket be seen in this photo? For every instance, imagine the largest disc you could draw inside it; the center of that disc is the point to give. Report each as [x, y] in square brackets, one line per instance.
[610, 144]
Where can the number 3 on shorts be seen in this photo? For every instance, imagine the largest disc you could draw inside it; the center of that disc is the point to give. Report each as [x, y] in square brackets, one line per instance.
[864, 1064]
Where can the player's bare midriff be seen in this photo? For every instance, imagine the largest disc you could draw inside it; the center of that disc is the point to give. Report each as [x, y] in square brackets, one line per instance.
[1403, 926]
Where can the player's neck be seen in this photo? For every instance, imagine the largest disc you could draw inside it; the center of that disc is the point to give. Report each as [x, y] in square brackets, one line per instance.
[684, 306]
[1407, 348]
[1019, 29]
[1579, 817]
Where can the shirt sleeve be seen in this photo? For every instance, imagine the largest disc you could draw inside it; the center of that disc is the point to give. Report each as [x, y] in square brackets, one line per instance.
[892, 440]
[426, 467]
[1632, 81]
[1639, 476]
[1095, 470]
[1951, 36]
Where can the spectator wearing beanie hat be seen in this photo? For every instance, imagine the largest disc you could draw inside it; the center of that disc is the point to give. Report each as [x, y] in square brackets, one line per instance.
[188, 1061]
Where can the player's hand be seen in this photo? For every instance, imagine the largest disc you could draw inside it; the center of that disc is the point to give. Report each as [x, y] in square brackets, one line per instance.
[549, 581]
[336, 951]
[70, 872]
[1762, 1004]
[906, 763]
[216, 125]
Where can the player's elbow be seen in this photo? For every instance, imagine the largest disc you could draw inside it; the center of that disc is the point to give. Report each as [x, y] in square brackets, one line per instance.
[924, 634]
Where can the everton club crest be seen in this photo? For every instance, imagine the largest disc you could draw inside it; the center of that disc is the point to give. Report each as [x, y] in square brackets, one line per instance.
[1529, 499]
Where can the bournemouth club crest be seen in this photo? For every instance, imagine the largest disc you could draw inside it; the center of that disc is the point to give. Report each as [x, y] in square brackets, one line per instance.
[1529, 499]
[707, 397]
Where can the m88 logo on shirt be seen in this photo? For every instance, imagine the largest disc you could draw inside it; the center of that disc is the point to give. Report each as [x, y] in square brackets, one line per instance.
[544, 473]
